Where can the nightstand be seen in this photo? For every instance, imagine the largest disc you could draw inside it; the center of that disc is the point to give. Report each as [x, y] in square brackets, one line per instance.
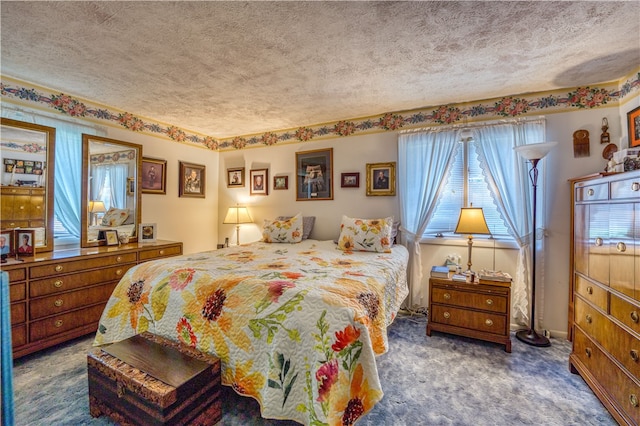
[479, 311]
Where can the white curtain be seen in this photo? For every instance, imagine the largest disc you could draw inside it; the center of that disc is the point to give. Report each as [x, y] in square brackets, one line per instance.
[118, 177]
[423, 161]
[507, 174]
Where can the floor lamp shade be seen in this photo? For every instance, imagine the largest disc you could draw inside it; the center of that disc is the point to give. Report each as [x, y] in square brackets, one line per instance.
[237, 215]
[533, 153]
[471, 221]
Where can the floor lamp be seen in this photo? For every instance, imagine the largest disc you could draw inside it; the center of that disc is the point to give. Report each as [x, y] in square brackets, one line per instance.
[237, 215]
[533, 153]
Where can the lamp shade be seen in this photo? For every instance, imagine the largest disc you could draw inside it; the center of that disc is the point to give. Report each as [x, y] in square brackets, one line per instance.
[236, 215]
[472, 221]
[535, 151]
[96, 207]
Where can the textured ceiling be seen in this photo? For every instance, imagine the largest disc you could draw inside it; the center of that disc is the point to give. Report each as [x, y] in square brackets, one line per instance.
[234, 68]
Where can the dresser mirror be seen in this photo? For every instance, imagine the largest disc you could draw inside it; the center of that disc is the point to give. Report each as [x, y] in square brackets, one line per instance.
[27, 160]
[111, 190]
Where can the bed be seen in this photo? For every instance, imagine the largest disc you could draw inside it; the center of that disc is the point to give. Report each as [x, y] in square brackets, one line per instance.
[297, 326]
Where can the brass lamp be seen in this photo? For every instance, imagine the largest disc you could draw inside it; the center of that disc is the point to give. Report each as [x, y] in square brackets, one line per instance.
[237, 215]
[471, 221]
[95, 207]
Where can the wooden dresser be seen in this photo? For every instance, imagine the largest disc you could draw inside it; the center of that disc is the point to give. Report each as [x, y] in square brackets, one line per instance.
[60, 295]
[473, 310]
[605, 290]
[22, 207]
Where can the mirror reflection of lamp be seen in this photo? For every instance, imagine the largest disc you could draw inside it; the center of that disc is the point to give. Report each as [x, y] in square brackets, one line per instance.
[96, 207]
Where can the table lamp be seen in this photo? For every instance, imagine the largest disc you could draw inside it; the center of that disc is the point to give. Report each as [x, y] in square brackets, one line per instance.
[471, 221]
[236, 216]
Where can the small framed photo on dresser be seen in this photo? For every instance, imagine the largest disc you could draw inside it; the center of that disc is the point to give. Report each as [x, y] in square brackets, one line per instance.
[25, 239]
[7, 246]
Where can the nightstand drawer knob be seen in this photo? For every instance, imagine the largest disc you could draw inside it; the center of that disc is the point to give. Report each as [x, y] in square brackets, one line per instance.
[634, 316]
[635, 186]
[57, 283]
[447, 315]
[633, 400]
[59, 268]
[589, 319]
[587, 351]
[58, 303]
[590, 192]
[58, 323]
[489, 302]
[488, 322]
[589, 290]
[446, 296]
[634, 355]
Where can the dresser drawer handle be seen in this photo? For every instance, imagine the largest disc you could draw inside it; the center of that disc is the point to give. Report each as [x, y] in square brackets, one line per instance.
[57, 283]
[589, 318]
[58, 303]
[14, 191]
[59, 268]
[590, 192]
[634, 355]
[635, 186]
[161, 252]
[587, 352]
[599, 242]
[488, 322]
[633, 400]
[621, 247]
[119, 272]
[489, 302]
[447, 315]
[634, 316]
[119, 259]
[446, 296]
[58, 323]
[21, 207]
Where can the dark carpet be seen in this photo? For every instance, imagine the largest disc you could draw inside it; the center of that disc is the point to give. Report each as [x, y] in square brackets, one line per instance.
[438, 380]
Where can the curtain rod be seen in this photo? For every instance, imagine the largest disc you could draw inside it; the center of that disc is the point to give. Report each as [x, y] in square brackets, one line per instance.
[463, 126]
[71, 120]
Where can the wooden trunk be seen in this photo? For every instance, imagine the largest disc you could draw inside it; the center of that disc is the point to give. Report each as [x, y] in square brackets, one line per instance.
[148, 380]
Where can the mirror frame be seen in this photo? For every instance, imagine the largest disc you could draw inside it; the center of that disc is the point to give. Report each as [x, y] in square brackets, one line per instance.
[86, 141]
[50, 134]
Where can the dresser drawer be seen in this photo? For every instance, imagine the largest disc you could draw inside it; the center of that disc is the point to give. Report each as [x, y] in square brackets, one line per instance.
[18, 312]
[481, 321]
[14, 224]
[80, 265]
[467, 299]
[592, 192]
[593, 293]
[83, 279]
[18, 335]
[60, 323]
[15, 191]
[628, 313]
[63, 302]
[15, 275]
[155, 253]
[622, 388]
[626, 188]
[592, 321]
[17, 292]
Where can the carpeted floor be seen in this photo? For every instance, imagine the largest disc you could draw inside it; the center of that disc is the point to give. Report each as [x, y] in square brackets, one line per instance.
[438, 380]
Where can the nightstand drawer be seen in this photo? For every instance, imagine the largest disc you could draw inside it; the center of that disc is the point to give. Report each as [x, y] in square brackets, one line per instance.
[483, 301]
[474, 320]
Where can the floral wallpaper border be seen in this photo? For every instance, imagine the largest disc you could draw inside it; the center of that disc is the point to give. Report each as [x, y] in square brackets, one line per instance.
[562, 100]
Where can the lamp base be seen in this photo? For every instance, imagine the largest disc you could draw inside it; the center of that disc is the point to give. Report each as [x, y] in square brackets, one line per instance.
[530, 337]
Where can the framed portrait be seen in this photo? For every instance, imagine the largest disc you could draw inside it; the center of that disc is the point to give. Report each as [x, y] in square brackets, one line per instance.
[314, 175]
[25, 239]
[259, 182]
[633, 123]
[192, 180]
[350, 180]
[235, 178]
[131, 186]
[111, 236]
[381, 178]
[7, 246]
[280, 182]
[147, 233]
[154, 176]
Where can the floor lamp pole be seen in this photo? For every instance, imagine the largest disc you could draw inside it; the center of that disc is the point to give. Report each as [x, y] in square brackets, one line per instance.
[530, 336]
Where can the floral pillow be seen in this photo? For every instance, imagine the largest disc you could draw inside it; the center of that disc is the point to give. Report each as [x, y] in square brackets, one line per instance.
[307, 224]
[114, 217]
[283, 231]
[365, 234]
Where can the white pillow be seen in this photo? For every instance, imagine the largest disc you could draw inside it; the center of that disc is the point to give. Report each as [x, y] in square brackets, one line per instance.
[365, 234]
[283, 231]
[114, 217]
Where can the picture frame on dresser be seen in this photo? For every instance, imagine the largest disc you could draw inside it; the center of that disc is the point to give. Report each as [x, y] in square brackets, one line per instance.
[148, 232]
[25, 242]
[111, 235]
[7, 244]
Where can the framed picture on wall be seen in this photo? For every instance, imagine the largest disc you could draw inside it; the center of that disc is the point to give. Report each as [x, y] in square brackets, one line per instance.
[633, 123]
[350, 180]
[381, 179]
[259, 182]
[235, 178]
[192, 180]
[314, 175]
[154, 176]
[280, 182]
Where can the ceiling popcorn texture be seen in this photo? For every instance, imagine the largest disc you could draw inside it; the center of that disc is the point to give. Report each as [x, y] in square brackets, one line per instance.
[224, 69]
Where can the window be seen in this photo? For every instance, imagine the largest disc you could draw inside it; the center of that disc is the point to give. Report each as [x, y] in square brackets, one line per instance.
[463, 189]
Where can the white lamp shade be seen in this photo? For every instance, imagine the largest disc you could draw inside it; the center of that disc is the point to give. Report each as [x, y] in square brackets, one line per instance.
[97, 207]
[535, 151]
[236, 215]
[472, 221]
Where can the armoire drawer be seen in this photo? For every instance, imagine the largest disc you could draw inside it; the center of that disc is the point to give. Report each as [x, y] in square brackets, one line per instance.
[473, 320]
[485, 302]
[628, 313]
[59, 268]
[63, 283]
[59, 303]
[593, 293]
[592, 321]
[60, 323]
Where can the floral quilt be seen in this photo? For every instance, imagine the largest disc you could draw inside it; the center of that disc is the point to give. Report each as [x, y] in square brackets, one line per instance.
[296, 326]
